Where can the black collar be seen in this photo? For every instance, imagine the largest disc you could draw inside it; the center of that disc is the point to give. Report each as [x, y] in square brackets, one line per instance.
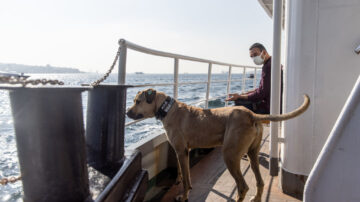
[164, 108]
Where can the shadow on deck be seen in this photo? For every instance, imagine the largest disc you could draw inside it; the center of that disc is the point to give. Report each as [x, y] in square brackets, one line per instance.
[211, 181]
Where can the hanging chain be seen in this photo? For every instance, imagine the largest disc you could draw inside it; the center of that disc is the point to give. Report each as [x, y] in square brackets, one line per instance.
[97, 82]
[23, 81]
[12, 179]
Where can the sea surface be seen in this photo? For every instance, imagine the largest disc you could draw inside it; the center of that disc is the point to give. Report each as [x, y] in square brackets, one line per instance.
[188, 93]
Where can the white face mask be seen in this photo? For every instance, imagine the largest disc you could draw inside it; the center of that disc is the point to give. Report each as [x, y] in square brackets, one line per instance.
[258, 60]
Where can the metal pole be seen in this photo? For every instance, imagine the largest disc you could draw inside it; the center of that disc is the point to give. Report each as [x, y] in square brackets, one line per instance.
[122, 62]
[275, 86]
[176, 77]
[208, 86]
[243, 80]
[228, 85]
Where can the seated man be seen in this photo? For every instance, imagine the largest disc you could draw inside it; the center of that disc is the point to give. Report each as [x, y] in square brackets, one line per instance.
[257, 100]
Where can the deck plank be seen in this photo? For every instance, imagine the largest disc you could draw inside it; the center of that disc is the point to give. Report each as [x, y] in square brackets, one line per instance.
[212, 181]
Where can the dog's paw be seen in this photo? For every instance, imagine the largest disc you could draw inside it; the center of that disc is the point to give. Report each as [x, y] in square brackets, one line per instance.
[239, 199]
[178, 180]
[180, 198]
[255, 199]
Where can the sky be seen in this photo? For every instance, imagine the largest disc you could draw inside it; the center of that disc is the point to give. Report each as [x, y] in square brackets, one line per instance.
[84, 34]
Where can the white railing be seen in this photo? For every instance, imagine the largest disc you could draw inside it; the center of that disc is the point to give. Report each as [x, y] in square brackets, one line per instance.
[124, 45]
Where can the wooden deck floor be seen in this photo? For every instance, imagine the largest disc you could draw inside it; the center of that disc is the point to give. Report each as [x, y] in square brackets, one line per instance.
[212, 182]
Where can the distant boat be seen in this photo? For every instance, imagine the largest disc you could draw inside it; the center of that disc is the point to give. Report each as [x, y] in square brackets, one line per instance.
[251, 76]
[139, 72]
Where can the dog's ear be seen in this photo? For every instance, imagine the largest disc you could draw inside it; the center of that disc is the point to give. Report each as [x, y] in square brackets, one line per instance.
[150, 95]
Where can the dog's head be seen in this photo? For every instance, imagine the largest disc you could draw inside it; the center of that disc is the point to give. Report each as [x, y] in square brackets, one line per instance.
[146, 103]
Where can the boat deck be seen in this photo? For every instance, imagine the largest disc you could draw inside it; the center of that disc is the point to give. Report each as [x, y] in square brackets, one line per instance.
[211, 181]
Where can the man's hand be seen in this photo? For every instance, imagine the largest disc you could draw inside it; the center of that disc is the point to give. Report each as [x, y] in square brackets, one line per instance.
[235, 96]
[232, 97]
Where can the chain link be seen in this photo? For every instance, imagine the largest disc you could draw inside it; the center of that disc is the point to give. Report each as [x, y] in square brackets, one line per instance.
[12, 179]
[23, 81]
[97, 82]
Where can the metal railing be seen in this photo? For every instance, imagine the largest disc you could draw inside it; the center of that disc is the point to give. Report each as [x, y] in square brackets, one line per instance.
[124, 45]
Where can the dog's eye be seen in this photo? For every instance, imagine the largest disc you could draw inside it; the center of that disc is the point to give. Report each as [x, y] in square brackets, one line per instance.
[137, 102]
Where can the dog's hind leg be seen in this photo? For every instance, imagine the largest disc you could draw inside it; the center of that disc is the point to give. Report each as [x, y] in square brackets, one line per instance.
[237, 141]
[254, 162]
[233, 164]
[232, 152]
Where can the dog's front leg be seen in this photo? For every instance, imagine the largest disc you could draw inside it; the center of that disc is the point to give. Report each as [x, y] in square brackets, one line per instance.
[183, 157]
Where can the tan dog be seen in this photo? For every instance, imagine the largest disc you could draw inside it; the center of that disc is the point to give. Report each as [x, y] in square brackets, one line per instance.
[237, 129]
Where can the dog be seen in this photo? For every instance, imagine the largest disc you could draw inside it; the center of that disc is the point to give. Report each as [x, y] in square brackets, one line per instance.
[237, 129]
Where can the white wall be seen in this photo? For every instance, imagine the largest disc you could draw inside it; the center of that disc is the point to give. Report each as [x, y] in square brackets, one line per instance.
[337, 167]
[320, 61]
[154, 150]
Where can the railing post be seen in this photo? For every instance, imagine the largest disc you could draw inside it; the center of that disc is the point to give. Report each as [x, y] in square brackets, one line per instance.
[176, 77]
[208, 86]
[228, 85]
[122, 62]
[243, 80]
[275, 86]
[254, 84]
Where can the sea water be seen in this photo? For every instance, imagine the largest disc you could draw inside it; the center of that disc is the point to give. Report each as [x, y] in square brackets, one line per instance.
[188, 93]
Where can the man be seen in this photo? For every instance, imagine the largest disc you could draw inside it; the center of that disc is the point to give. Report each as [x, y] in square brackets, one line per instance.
[257, 100]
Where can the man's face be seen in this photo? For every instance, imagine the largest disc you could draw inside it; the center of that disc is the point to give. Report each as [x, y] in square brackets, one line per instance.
[254, 52]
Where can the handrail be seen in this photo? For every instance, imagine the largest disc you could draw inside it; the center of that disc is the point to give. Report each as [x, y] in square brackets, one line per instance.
[142, 49]
[124, 45]
[183, 83]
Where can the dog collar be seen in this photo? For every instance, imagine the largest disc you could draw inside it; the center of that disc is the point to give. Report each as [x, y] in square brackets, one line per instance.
[164, 108]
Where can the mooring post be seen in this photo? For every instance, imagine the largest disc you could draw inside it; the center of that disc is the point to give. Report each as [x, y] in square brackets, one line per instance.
[50, 142]
[105, 128]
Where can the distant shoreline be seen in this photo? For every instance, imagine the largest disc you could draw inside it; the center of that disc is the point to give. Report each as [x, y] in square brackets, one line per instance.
[36, 69]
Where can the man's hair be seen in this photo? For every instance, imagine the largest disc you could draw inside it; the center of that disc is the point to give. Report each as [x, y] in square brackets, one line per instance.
[258, 45]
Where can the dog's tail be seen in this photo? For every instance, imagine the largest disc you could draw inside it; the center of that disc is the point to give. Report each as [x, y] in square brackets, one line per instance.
[282, 117]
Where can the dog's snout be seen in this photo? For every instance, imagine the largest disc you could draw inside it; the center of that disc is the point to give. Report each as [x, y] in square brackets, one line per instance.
[132, 115]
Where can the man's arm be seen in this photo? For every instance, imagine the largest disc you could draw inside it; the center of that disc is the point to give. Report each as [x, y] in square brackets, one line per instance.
[264, 88]
[235, 96]
[242, 96]
[257, 94]
[251, 91]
